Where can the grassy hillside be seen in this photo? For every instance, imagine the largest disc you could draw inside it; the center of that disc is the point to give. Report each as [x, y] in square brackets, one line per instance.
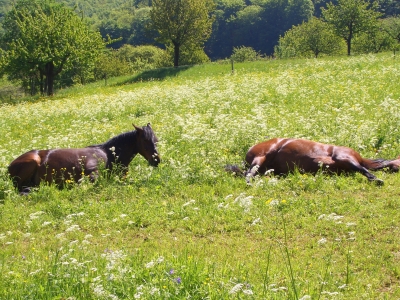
[188, 229]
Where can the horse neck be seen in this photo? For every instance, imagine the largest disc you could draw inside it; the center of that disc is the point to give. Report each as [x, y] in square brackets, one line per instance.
[124, 146]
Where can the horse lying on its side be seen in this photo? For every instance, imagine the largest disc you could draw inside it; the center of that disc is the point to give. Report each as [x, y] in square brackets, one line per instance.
[284, 155]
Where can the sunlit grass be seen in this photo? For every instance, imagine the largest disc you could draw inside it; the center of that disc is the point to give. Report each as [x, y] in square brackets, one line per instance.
[190, 229]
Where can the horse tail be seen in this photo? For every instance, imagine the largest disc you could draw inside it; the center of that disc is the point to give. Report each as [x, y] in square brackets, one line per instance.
[375, 164]
[235, 170]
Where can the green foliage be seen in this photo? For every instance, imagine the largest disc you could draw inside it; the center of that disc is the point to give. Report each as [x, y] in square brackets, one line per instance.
[44, 39]
[182, 22]
[351, 17]
[117, 26]
[392, 27]
[110, 64]
[188, 55]
[310, 39]
[242, 54]
[140, 58]
[129, 60]
[140, 34]
[373, 40]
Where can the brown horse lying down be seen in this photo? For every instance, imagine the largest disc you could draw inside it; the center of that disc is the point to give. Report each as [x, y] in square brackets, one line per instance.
[283, 156]
[59, 165]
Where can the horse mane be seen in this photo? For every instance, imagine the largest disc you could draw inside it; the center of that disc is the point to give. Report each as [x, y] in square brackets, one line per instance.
[115, 141]
[149, 134]
[120, 140]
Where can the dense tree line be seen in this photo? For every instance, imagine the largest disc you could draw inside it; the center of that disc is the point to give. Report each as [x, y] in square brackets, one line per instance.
[254, 23]
[70, 41]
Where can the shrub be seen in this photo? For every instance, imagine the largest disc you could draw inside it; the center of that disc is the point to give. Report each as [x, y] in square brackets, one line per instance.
[144, 57]
[189, 55]
[241, 54]
[110, 64]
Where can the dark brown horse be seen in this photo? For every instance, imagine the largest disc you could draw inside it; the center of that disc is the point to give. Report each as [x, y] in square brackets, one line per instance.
[282, 156]
[60, 165]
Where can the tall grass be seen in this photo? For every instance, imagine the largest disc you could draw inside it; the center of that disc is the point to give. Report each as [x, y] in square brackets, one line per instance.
[188, 229]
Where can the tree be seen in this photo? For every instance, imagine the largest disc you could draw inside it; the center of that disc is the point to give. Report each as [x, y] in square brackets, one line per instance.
[373, 40]
[351, 17]
[43, 39]
[392, 27]
[140, 23]
[308, 39]
[277, 17]
[223, 34]
[182, 22]
[389, 7]
[246, 26]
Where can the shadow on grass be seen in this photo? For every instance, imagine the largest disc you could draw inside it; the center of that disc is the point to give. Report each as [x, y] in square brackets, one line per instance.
[157, 74]
[9, 95]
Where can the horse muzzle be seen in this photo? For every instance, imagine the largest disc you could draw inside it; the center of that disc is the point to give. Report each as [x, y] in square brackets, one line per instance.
[154, 160]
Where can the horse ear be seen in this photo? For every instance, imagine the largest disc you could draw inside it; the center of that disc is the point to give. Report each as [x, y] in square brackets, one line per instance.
[138, 128]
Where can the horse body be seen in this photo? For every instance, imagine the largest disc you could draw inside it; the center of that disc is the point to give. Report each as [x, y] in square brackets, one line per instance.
[283, 155]
[60, 165]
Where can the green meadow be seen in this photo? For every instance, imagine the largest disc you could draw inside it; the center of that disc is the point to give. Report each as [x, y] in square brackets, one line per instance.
[188, 229]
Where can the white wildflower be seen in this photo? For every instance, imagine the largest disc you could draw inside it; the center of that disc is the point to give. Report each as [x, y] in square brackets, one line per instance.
[150, 264]
[188, 203]
[36, 215]
[98, 290]
[238, 287]
[247, 292]
[60, 236]
[73, 228]
[154, 291]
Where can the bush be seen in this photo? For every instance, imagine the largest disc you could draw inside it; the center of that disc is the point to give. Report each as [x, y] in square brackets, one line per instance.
[142, 58]
[309, 39]
[372, 42]
[243, 53]
[110, 64]
[189, 55]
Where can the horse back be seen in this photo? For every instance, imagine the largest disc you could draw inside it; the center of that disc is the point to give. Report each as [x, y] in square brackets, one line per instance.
[264, 153]
[284, 154]
[55, 165]
[61, 164]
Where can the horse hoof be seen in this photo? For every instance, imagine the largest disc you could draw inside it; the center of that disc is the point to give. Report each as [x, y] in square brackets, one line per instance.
[379, 182]
[25, 191]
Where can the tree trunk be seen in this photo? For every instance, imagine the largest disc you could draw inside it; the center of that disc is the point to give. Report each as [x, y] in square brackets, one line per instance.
[349, 38]
[50, 78]
[348, 42]
[176, 55]
[41, 84]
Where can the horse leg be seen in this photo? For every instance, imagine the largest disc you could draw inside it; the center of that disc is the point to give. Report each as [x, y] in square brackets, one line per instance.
[254, 166]
[370, 176]
[351, 164]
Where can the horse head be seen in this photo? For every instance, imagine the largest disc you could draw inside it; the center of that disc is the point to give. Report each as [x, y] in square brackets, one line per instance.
[147, 144]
